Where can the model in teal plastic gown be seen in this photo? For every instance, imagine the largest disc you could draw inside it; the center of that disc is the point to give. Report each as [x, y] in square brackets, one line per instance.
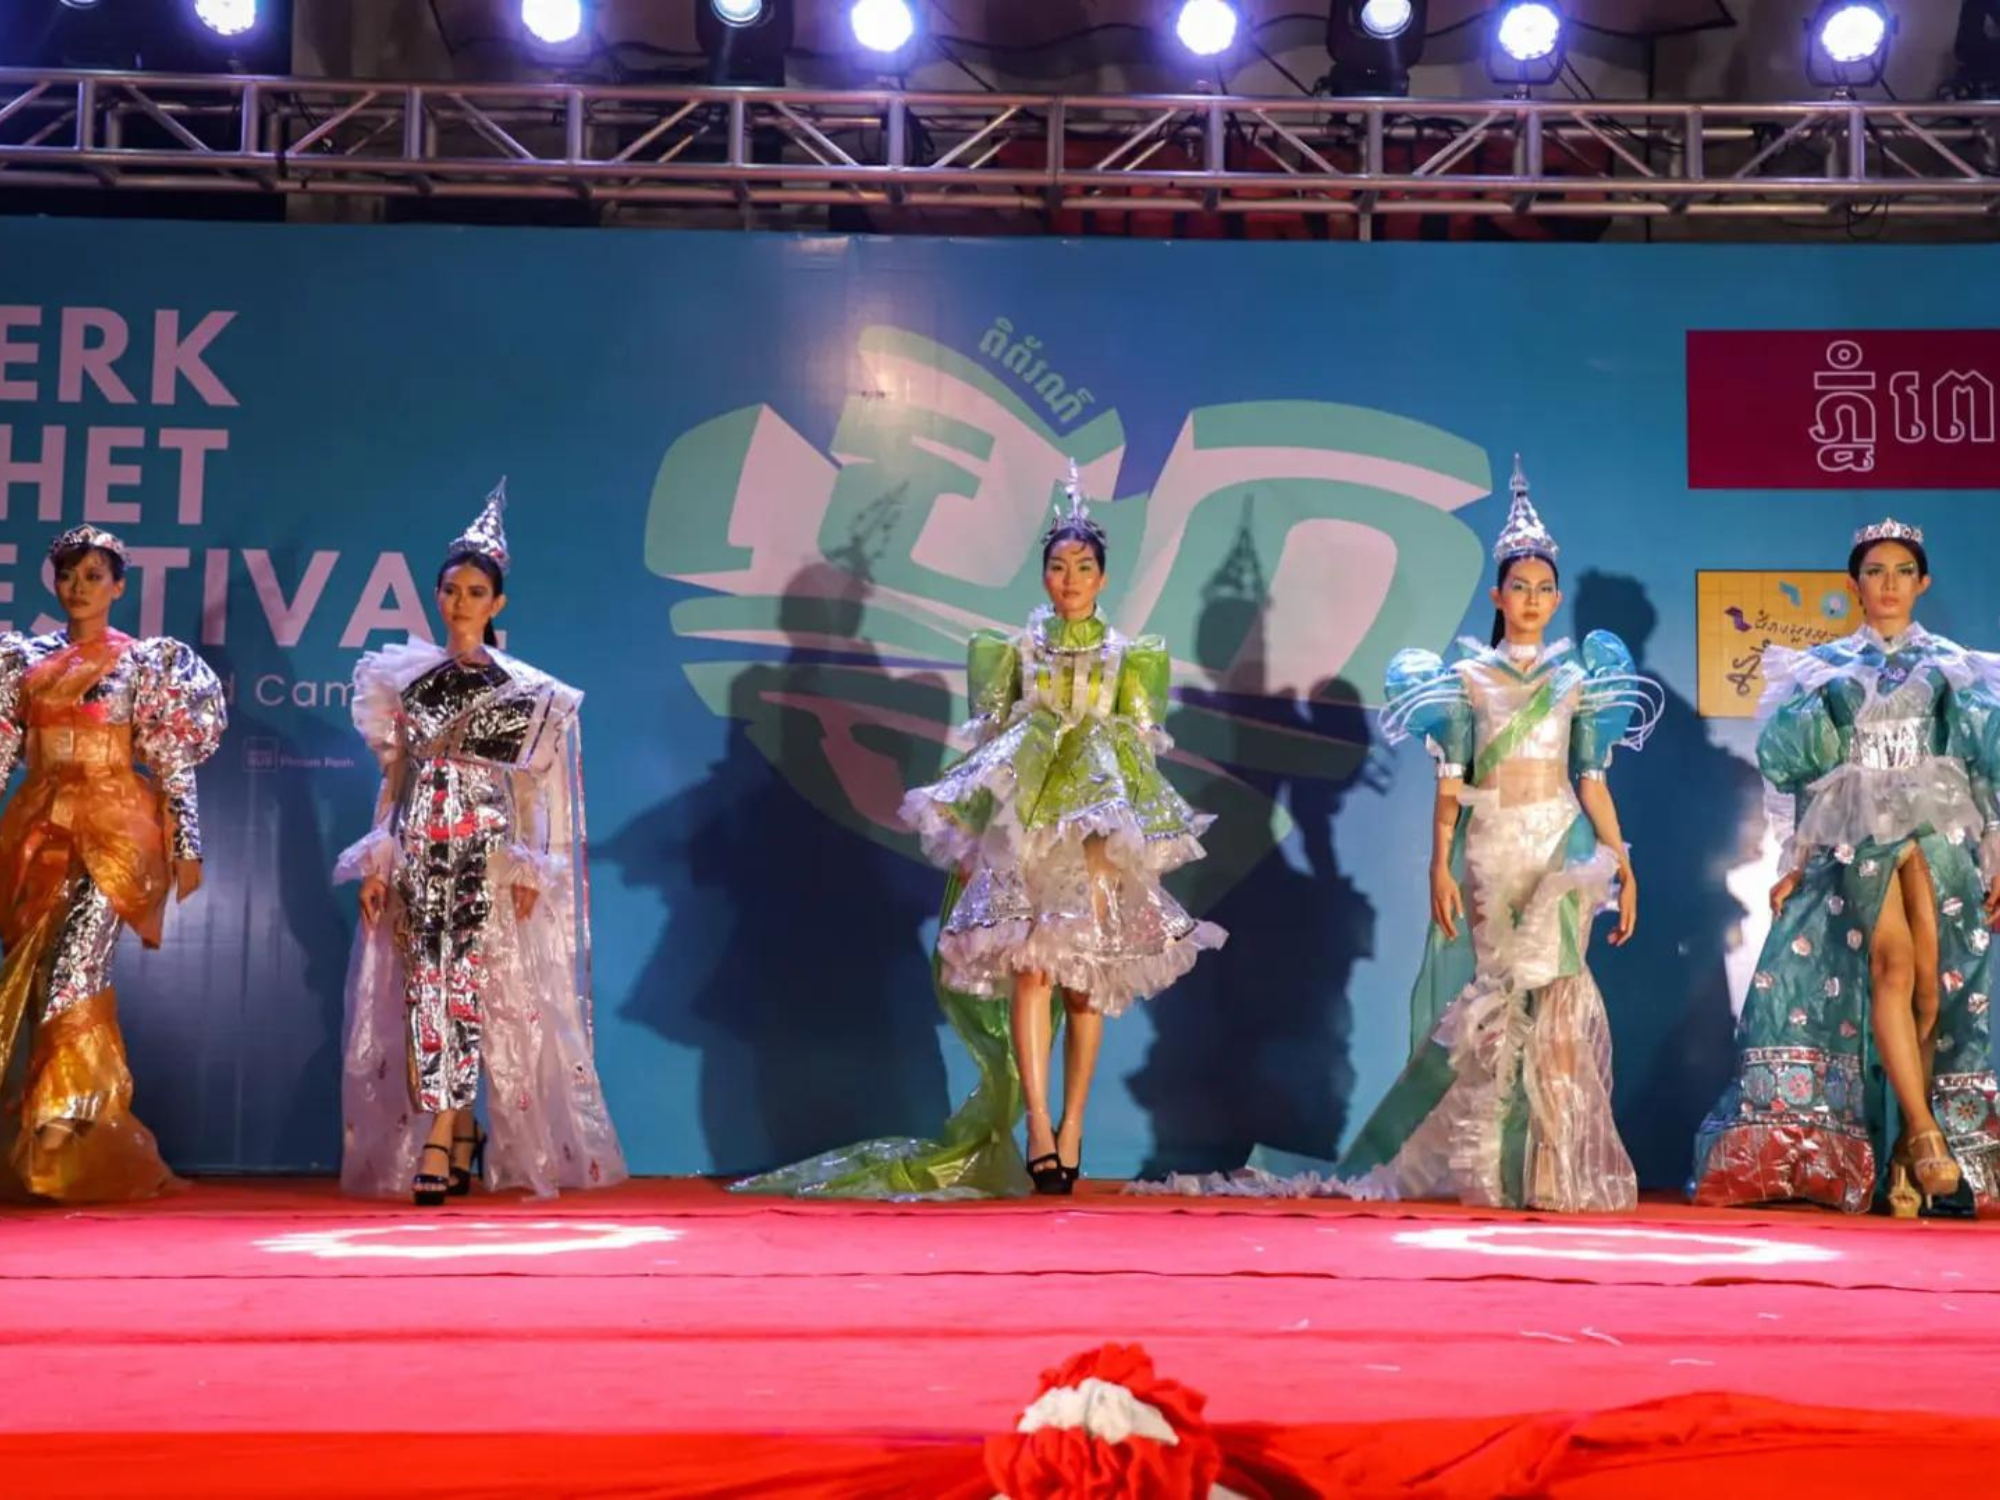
[1506, 1099]
[1881, 755]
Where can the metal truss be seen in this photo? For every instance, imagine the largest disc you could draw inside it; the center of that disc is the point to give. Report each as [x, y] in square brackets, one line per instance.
[757, 148]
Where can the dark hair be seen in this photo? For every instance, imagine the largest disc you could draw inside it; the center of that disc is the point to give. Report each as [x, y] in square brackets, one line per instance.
[1091, 539]
[1499, 619]
[485, 565]
[1861, 550]
[70, 557]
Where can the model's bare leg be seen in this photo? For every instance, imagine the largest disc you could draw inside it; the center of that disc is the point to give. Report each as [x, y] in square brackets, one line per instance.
[1085, 1035]
[1032, 1036]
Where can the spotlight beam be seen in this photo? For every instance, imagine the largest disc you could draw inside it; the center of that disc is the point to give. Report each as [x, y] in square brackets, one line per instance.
[1528, 43]
[552, 21]
[885, 26]
[1373, 45]
[1386, 20]
[225, 17]
[1847, 44]
[1207, 28]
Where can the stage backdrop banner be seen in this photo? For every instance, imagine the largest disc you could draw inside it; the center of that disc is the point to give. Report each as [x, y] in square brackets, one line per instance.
[1887, 410]
[762, 488]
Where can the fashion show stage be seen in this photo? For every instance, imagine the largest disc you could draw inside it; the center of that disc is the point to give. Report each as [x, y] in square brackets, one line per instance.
[665, 1338]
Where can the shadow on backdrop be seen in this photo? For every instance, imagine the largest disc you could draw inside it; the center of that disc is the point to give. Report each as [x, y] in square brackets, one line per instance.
[223, 1089]
[1252, 1048]
[1691, 812]
[804, 983]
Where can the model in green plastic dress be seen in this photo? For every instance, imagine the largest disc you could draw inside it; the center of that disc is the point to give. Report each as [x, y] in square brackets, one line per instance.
[1881, 752]
[1506, 1099]
[1057, 827]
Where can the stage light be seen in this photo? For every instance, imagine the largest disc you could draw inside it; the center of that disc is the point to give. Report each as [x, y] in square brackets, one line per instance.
[552, 21]
[1207, 28]
[882, 25]
[81, 4]
[1527, 43]
[747, 41]
[1847, 43]
[1529, 32]
[1374, 44]
[1386, 19]
[226, 17]
[1853, 33]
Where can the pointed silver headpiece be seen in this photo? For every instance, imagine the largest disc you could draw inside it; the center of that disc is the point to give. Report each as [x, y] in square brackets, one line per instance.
[1524, 532]
[1889, 529]
[487, 536]
[1077, 517]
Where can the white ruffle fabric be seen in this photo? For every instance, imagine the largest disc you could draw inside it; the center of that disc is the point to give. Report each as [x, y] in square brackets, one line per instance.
[550, 1126]
[1077, 898]
[1853, 804]
[1789, 673]
[1520, 1014]
[1575, 1161]
[1522, 1010]
[372, 854]
[1856, 802]
[947, 843]
[538, 870]
[1070, 953]
[1080, 901]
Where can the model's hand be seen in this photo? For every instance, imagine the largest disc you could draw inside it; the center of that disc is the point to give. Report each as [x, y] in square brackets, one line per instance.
[1782, 892]
[525, 897]
[374, 897]
[1447, 905]
[1628, 910]
[1993, 902]
[187, 878]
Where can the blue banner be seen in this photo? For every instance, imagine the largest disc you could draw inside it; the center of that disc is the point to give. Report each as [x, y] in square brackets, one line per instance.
[763, 488]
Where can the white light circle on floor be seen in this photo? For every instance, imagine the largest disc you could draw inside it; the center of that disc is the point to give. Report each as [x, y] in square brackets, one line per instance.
[1660, 1247]
[459, 1241]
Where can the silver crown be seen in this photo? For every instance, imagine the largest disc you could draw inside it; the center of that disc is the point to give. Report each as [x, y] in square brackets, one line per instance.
[487, 536]
[1889, 529]
[88, 536]
[1524, 532]
[1077, 517]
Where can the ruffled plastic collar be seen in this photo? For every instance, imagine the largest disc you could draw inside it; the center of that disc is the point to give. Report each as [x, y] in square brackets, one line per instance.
[1059, 634]
[1914, 638]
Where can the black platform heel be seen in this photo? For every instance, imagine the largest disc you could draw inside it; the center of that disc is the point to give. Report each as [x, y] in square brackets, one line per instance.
[462, 1178]
[427, 1189]
[1050, 1177]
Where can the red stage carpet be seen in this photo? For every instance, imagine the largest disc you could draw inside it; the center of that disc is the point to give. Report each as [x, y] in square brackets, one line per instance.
[664, 1338]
